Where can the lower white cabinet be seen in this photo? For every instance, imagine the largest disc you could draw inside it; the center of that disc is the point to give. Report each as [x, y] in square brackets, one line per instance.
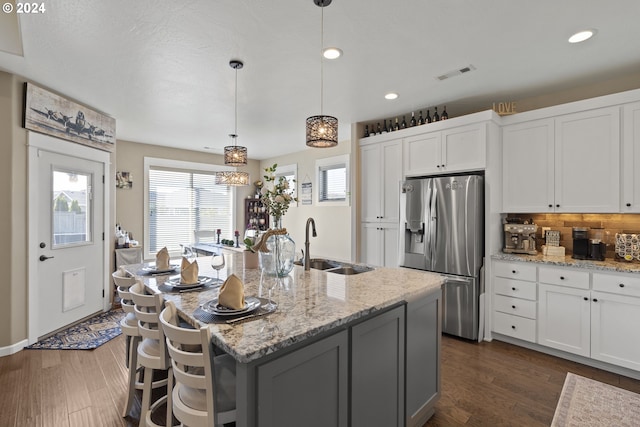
[379, 244]
[591, 314]
[564, 320]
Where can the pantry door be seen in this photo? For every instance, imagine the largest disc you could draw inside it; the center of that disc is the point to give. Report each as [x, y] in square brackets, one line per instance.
[67, 249]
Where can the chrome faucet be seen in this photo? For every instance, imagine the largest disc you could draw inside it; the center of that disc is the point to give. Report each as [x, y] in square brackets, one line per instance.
[307, 257]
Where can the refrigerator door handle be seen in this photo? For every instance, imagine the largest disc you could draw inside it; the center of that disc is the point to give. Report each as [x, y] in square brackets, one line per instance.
[433, 227]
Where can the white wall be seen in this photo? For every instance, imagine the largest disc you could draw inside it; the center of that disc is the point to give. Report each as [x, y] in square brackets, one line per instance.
[333, 223]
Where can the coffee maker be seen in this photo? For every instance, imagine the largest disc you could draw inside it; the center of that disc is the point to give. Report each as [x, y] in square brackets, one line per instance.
[520, 238]
[586, 248]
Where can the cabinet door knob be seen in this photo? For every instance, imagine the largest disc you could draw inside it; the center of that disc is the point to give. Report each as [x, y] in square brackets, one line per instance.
[513, 306]
[513, 289]
[628, 205]
[513, 271]
[513, 327]
[557, 206]
[550, 205]
[438, 166]
[621, 285]
[561, 277]
[595, 300]
[442, 165]
[586, 299]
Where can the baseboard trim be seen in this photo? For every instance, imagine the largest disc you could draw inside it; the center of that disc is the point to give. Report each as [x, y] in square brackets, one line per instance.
[6, 351]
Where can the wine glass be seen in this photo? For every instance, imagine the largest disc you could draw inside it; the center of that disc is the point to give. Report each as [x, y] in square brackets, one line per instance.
[269, 283]
[188, 253]
[217, 263]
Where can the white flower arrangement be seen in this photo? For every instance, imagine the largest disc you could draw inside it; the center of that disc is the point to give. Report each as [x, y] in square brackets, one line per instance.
[278, 198]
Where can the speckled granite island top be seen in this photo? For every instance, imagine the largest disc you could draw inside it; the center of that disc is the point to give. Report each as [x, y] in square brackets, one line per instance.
[309, 302]
[608, 264]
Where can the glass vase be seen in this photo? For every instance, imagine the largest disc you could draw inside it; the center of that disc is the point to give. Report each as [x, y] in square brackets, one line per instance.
[282, 251]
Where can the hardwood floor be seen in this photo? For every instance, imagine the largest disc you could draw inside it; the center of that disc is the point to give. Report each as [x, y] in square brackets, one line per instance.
[485, 384]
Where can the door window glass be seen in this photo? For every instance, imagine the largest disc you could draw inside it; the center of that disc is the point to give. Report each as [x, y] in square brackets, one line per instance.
[71, 205]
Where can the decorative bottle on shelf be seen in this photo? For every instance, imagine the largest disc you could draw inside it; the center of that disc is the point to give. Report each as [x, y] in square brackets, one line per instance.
[420, 119]
[444, 115]
[385, 129]
[428, 119]
[396, 125]
[436, 117]
[412, 122]
[390, 126]
[366, 131]
[403, 125]
[379, 129]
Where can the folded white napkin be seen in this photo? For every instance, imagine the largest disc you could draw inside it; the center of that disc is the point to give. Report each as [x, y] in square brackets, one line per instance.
[188, 272]
[232, 293]
[162, 259]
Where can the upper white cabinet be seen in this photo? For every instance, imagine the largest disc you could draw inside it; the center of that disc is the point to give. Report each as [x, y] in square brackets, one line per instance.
[631, 159]
[381, 167]
[570, 163]
[457, 149]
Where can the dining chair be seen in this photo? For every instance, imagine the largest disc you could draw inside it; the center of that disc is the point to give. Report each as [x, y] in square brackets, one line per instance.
[129, 327]
[205, 384]
[152, 350]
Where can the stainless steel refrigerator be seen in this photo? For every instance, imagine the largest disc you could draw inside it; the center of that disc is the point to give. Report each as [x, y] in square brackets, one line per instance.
[441, 230]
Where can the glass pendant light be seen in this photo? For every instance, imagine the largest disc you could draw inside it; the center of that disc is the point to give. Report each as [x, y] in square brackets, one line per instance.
[322, 130]
[235, 155]
[232, 178]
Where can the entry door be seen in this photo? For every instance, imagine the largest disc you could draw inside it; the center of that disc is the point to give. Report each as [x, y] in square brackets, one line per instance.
[70, 249]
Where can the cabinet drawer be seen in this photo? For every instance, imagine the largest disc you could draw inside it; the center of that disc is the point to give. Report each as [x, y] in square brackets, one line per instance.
[514, 326]
[564, 277]
[515, 288]
[617, 284]
[515, 270]
[515, 306]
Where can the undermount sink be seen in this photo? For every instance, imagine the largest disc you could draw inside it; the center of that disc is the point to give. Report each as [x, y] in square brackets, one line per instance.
[335, 266]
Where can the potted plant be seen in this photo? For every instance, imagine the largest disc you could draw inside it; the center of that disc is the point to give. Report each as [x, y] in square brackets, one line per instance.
[250, 257]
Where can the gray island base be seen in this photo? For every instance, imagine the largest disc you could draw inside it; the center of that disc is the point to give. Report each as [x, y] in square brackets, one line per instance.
[341, 350]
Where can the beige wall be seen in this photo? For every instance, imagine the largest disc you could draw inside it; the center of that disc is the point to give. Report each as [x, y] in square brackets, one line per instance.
[333, 223]
[130, 158]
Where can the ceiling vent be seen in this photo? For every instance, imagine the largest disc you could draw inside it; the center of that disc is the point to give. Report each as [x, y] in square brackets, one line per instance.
[454, 73]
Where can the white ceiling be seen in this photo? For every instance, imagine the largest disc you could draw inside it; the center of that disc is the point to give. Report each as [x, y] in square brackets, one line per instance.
[161, 68]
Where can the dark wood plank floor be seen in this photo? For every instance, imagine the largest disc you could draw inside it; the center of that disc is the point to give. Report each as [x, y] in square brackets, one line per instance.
[485, 384]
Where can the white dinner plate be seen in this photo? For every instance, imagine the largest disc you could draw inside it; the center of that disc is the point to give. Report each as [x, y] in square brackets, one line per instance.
[212, 307]
[202, 280]
[154, 270]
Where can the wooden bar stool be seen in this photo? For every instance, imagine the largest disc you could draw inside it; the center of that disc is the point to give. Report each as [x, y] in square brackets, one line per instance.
[205, 385]
[152, 349]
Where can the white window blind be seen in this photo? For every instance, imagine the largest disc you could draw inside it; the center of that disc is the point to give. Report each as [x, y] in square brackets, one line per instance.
[333, 182]
[181, 202]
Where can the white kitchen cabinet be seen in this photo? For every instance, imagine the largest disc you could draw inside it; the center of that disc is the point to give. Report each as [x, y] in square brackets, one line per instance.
[570, 163]
[514, 300]
[379, 244]
[457, 149]
[381, 167]
[564, 318]
[615, 316]
[631, 159]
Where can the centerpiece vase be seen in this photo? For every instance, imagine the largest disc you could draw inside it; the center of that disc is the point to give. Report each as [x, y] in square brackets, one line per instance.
[278, 261]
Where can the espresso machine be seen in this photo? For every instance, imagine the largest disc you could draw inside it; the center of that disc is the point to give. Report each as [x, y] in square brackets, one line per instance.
[520, 238]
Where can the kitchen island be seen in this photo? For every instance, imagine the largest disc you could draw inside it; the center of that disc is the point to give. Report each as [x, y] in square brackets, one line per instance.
[340, 349]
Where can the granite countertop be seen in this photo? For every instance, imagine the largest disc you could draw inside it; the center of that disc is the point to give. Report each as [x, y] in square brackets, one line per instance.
[609, 264]
[309, 302]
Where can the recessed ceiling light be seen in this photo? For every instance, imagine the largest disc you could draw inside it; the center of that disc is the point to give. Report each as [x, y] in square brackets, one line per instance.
[332, 53]
[391, 95]
[581, 36]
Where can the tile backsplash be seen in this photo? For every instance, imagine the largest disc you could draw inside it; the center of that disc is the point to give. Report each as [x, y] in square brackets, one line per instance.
[608, 224]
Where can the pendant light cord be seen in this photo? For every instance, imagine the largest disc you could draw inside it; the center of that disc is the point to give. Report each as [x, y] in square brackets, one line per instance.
[321, 58]
[235, 132]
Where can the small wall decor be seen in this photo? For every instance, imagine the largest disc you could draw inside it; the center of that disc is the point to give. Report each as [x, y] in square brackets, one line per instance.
[48, 113]
[124, 180]
[504, 108]
[305, 193]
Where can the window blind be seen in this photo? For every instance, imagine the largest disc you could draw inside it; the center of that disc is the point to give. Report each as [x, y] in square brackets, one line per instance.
[333, 183]
[181, 202]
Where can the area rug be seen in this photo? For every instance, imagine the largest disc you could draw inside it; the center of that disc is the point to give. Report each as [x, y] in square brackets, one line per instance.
[85, 335]
[588, 403]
